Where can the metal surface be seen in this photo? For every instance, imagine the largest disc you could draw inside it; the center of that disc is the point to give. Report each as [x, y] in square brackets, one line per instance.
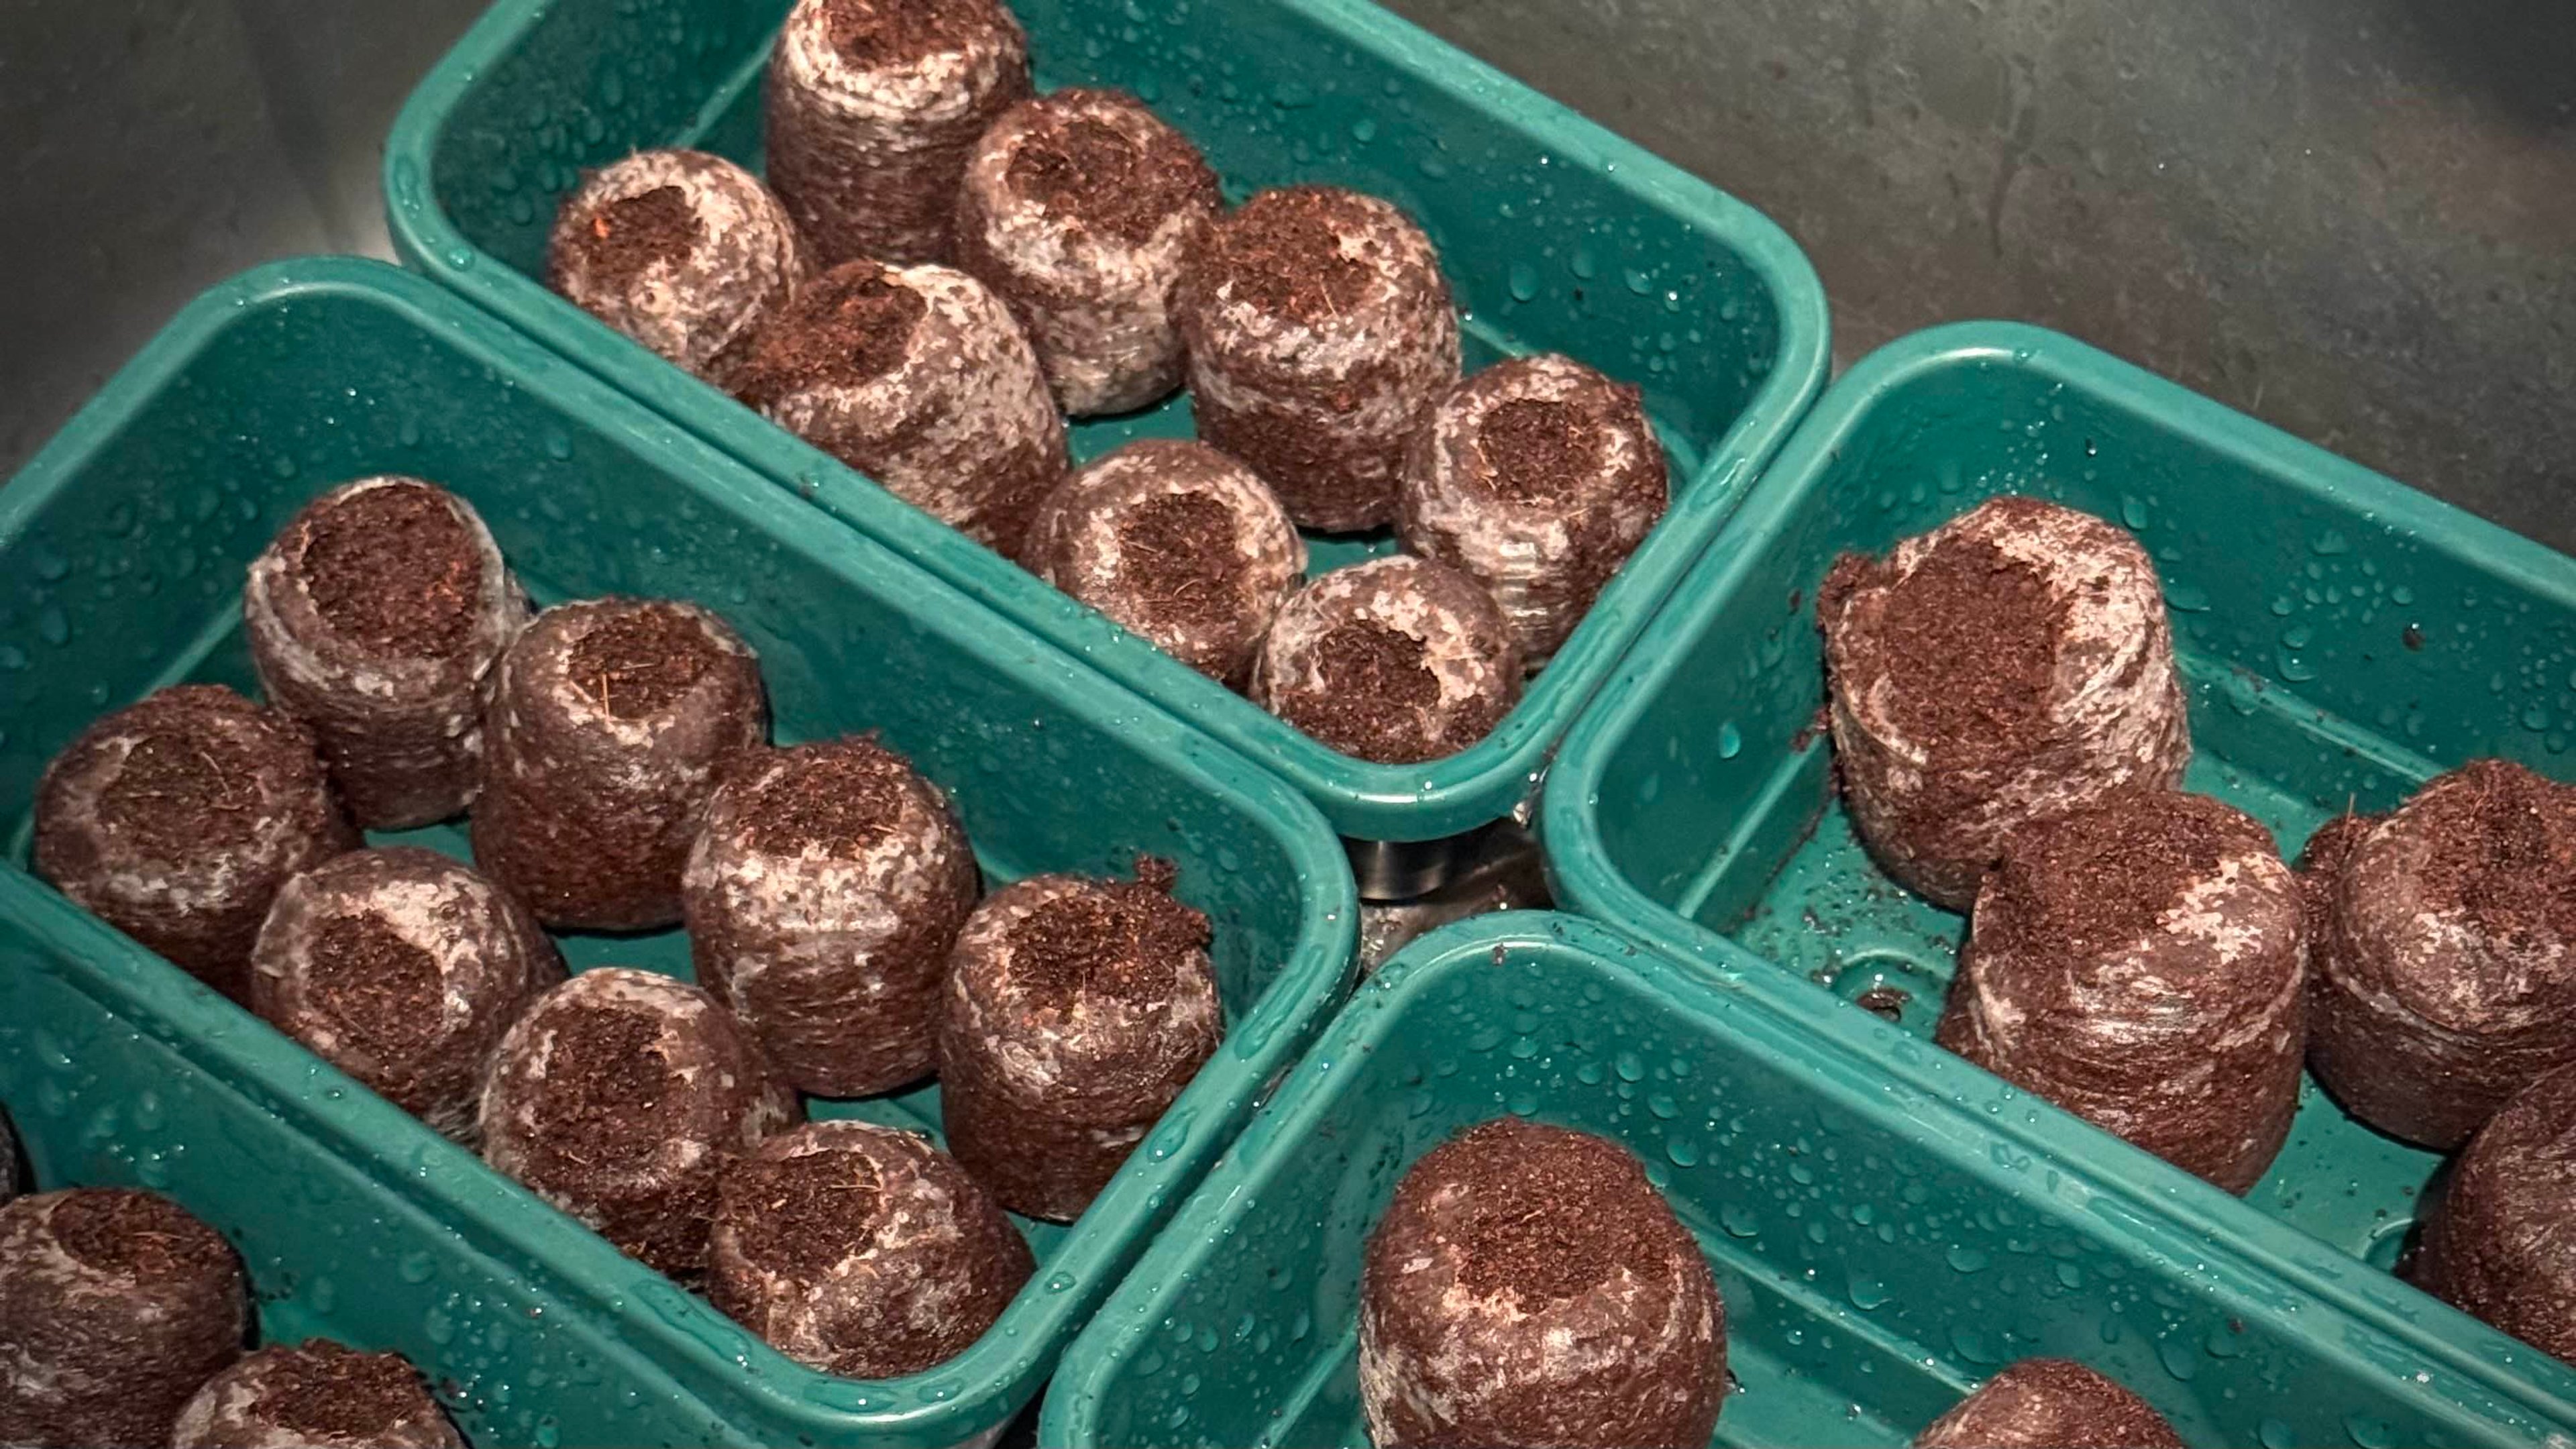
[2354, 218]
[1499, 869]
[149, 148]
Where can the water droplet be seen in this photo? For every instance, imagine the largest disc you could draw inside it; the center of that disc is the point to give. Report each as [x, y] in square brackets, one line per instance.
[1683, 1152]
[2401, 595]
[1868, 1293]
[557, 443]
[1638, 282]
[403, 179]
[546, 1434]
[2070, 1275]
[416, 1267]
[52, 626]
[2133, 510]
[460, 257]
[2369, 1433]
[1590, 1074]
[1523, 280]
[1630, 1066]
[1584, 264]
[439, 1327]
[1971, 1345]
[1364, 130]
[1730, 741]
[1171, 1138]
[1964, 1259]
[2330, 542]
[2177, 1358]
[2277, 1435]
[1663, 1106]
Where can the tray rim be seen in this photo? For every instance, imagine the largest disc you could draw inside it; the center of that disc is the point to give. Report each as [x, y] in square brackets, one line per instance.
[1579, 865]
[1429, 801]
[986, 1384]
[1723, 996]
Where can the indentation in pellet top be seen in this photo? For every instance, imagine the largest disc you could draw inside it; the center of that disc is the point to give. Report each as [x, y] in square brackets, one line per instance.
[2099, 880]
[876, 34]
[641, 661]
[812, 1210]
[137, 1235]
[377, 986]
[1371, 667]
[1970, 601]
[841, 803]
[853, 326]
[394, 569]
[177, 794]
[1178, 555]
[1538, 450]
[1284, 253]
[1553, 1216]
[630, 234]
[605, 1083]
[2502, 846]
[334, 1390]
[1117, 939]
[1091, 175]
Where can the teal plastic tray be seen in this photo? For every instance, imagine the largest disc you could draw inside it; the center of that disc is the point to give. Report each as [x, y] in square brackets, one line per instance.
[122, 550]
[1556, 234]
[2342, 638]
[1880, 1250]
